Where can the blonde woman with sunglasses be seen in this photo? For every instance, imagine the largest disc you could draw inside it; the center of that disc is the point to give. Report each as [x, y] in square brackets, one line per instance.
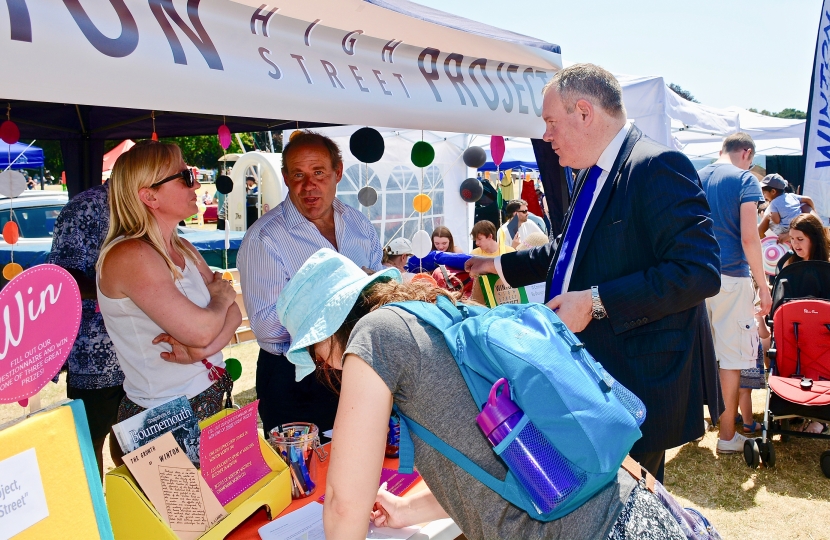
[167, 314]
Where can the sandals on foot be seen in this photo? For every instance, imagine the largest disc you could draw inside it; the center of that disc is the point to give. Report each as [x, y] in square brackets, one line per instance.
[753, 427]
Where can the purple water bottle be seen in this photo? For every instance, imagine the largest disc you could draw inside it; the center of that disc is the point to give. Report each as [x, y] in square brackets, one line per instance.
[547, 476]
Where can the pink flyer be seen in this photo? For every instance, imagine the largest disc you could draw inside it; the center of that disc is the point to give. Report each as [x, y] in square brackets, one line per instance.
[230, 456]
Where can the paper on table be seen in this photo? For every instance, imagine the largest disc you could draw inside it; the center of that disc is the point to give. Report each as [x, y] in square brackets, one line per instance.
[306, 523]
[22, 499]
[175, 487]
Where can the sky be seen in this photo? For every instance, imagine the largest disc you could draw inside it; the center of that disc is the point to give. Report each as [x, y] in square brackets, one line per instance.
[756, 53]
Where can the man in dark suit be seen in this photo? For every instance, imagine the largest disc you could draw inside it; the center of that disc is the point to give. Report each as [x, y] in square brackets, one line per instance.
[636, 261]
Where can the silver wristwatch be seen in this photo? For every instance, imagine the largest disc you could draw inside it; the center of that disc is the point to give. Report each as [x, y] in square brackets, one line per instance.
[597, 309]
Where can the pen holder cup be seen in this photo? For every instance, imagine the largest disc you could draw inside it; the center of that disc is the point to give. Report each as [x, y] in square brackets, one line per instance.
[298, 444]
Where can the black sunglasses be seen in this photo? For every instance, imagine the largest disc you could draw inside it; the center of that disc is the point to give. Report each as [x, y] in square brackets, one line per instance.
[185, 175]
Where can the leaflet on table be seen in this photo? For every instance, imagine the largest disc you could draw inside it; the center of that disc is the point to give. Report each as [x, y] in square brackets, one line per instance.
[175, 416]
[306, 523]
[22, 498]
[175, 487]
[496, 292]
[231, 458]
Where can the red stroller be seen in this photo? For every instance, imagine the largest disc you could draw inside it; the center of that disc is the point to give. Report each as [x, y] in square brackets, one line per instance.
[799, 381]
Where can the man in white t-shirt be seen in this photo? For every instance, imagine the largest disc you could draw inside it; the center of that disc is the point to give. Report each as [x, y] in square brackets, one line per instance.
[518, 207]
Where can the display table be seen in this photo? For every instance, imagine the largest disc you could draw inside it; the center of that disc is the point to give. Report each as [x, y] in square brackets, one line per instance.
[442, 529]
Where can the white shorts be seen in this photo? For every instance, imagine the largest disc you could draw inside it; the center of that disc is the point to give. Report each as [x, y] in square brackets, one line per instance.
[732, 316]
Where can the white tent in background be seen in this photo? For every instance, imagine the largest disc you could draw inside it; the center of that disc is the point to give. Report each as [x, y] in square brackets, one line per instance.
[772, 136]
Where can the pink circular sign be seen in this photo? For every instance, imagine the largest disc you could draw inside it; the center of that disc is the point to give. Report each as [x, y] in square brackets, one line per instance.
[40, 312]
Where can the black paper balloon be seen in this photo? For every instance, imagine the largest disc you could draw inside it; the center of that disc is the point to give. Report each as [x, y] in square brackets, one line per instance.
[224, 184]
[366, 144]
[471, 190]
[475, 157]
[422, 154]
[367, 196]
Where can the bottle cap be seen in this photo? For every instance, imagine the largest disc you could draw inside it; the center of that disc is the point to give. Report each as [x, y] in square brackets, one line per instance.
[499, 407]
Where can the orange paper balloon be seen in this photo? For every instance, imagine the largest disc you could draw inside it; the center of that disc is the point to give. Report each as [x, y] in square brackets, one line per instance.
[422, 203]
[11, 232]
[11, 270]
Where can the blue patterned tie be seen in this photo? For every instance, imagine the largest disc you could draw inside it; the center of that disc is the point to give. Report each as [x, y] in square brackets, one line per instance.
[571, 236]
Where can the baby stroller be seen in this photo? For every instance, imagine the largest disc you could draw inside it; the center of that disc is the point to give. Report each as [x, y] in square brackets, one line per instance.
[799, 381]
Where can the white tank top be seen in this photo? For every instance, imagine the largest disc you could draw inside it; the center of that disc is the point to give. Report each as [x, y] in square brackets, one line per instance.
[148, 379]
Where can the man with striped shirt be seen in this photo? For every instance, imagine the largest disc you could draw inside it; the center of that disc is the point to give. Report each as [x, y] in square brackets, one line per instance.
[275, 248]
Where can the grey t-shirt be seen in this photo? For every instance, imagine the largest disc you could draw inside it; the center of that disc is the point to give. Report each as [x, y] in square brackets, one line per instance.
[413, 360]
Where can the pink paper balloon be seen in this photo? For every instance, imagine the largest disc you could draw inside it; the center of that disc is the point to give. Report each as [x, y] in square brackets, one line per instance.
[224, 136]
[497, 149]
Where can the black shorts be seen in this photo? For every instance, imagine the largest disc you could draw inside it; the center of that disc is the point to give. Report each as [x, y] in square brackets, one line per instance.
[101, 407]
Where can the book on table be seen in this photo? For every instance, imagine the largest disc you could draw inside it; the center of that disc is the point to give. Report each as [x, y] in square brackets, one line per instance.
[175, 416]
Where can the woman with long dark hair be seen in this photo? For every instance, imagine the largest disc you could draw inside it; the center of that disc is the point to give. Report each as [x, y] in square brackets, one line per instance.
[809, 240]
[442, 240]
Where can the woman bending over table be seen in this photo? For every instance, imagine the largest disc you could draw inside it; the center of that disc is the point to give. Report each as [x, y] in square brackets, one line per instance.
[167, 314]
[384, 355]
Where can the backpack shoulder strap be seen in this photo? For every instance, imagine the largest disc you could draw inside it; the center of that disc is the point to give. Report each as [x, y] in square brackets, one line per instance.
[407, 455]
[441, 315]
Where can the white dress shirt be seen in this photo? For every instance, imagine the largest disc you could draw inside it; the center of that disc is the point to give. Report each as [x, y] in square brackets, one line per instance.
[278, 244]
[605, 162]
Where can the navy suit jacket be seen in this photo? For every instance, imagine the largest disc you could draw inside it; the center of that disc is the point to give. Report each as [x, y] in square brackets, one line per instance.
[648, 245]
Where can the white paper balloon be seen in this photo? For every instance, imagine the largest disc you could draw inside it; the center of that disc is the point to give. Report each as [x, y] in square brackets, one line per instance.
[12, 184]
[421, 244]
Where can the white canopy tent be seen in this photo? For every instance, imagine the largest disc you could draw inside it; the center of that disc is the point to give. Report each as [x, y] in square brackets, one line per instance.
[772, 136]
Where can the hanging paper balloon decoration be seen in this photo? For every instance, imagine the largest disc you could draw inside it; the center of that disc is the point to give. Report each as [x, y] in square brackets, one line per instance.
[474, 157]
[421, 244]
[497, 149]
[224, 137]
[9, 132]
[471, 190]
[366, 144]
[423, 154]
[234, 368]
[12, 184]
[155, 135]
[421, 203]
[367, 196]
[224, 184]
[12, 270]
[11, 232]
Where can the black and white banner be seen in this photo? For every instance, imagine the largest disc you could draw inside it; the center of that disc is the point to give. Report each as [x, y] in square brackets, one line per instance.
[333, 61]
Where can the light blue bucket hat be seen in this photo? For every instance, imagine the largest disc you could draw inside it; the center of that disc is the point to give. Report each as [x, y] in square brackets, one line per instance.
[316, 301]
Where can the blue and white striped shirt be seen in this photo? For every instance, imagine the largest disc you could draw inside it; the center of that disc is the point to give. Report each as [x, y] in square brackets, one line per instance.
[275, 248]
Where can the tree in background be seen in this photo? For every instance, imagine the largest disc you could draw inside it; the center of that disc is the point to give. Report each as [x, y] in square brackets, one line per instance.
[685, 94]
[790, 113]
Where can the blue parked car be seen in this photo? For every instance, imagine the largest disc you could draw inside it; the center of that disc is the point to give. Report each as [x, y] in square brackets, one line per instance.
[36, 211]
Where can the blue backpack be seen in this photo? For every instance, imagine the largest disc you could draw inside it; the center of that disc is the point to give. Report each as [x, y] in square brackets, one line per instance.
[590, 418]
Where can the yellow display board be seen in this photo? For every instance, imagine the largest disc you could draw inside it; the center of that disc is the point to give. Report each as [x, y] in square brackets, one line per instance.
[54, 436]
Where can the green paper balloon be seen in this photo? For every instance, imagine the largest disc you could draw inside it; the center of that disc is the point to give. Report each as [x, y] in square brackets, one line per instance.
[423, 154]
[234, 368]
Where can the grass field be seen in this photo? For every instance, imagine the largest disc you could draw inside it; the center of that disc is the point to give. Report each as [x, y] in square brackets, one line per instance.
[790, 501]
